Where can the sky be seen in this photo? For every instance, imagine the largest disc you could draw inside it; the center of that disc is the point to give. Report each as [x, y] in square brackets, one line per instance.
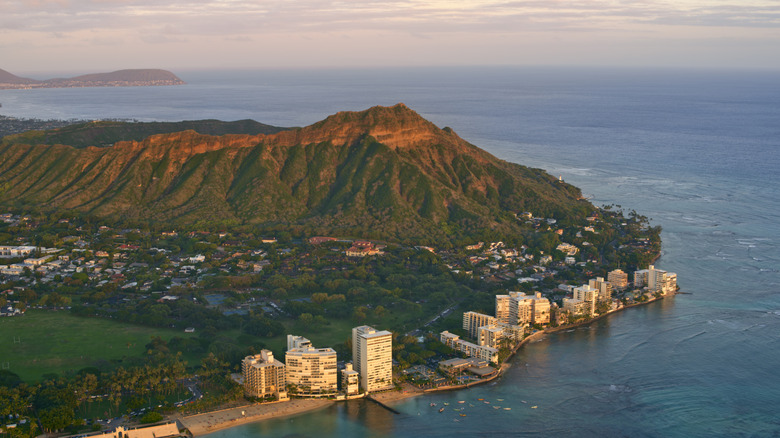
[86, 36]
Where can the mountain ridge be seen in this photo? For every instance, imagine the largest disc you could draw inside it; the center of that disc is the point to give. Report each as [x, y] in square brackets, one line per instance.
[418, 183]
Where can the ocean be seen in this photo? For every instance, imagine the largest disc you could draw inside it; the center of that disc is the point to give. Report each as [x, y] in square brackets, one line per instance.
[696, 151]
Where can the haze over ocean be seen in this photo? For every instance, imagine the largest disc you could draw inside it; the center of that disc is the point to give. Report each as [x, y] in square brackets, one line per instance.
[696, 151]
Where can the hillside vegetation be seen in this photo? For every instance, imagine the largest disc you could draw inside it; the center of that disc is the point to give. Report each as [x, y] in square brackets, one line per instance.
[383, 173]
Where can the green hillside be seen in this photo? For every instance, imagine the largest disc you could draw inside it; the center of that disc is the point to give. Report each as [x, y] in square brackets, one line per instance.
[383, 173]
[106, 133]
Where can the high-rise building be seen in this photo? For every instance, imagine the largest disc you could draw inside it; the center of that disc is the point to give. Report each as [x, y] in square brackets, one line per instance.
[528, 309]
[502, 308]
[640, 278]
[587, 294]
[618, 279]
[661, 281]
[520, 312]
[472, 321]
[656, 280]
[264, 376]
[313, 371]
[604, 288]
[490, 336]
[372, 356]
[540, 309]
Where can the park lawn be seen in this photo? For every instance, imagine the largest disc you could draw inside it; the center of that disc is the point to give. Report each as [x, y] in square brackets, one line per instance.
[43, 342]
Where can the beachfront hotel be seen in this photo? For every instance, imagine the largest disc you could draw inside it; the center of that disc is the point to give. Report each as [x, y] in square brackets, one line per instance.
[453, 341]
[372, 356]
[313, 371]
[264, 376]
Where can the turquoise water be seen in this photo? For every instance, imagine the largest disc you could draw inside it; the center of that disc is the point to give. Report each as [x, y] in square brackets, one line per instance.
[698, 152]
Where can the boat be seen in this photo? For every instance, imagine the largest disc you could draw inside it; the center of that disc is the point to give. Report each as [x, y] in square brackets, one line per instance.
[500, 399]
[461, 401]
[534, 407]
[462, 415]
[523, 401]
[433, 404]
[507, 409]
[441, 410]
[496, 407]
[480, 399]
[446, 404]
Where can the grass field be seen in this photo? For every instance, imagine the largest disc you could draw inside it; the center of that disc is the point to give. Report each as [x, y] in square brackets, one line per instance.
[42, 342]
[57, 342]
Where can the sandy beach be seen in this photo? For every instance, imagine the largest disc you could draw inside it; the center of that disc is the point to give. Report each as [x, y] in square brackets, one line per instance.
[390, 397]
[208, 422]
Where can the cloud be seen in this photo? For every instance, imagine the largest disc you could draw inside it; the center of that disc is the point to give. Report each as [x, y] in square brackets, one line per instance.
[234, 18]
[302, 29]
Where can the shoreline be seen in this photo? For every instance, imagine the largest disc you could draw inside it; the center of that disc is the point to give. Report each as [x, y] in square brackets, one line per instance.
[209, 422]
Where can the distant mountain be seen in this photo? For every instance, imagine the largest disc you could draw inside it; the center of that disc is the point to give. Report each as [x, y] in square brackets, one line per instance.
[8, 78]
[383, 173]
[121, 78]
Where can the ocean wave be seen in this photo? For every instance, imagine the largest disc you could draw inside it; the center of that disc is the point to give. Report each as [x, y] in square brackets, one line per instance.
[620, 388]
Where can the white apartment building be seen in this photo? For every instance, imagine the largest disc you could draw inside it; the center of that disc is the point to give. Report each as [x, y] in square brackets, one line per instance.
[604, 288]
[294, 342]
[514, 333]
[587, 294]
[264, 376]
[453, 341]
[490, 336]
[576, 307]
[540, 309]
[372, 356]
[656, 280]
[312, 370]
[350, 380]
[472, 321]
[526, 309]
[520, 312]
[502, 308]
[618, 279]
[661, 281]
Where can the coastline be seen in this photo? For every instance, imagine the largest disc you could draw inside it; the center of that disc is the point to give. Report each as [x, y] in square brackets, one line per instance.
[208, 422]
[202, 424]
[390, 397]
